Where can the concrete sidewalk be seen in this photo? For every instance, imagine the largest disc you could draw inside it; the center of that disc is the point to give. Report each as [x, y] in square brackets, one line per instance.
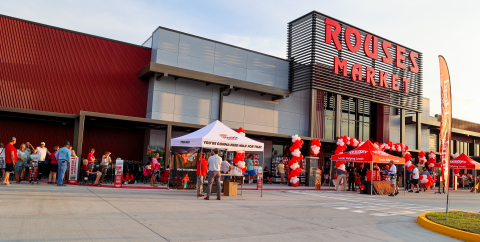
[79, 213]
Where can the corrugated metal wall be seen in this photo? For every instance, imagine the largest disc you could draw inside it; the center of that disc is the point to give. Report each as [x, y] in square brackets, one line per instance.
[35, 131]
[124, 143]
[48, 69]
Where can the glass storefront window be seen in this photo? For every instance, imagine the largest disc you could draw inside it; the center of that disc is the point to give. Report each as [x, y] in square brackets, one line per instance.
[356, 119]
[329, 110]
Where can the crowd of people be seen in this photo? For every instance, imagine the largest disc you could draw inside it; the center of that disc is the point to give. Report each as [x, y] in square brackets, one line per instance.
[52, 164]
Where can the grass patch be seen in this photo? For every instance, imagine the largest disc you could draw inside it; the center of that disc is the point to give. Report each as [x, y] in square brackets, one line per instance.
[465, 221]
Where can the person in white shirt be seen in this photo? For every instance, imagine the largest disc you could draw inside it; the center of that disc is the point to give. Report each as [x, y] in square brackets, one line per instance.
[415, 176]
[392, 172]
[42, 153]
[225, 168]
[214, 165]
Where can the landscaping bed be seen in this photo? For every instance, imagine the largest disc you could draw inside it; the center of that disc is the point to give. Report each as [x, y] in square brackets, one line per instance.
[465, 221]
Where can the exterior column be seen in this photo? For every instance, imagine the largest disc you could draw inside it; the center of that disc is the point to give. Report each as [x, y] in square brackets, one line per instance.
[402, 126]
[168, 139]
[338, 115]
[419, 131]
[78, 134]
[313, 113]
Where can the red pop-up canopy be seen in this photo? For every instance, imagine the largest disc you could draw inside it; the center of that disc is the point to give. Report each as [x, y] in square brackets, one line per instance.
[464, 162]
[368, 153]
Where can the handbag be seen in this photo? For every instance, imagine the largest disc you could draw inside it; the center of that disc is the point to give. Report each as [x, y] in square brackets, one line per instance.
[47, 161]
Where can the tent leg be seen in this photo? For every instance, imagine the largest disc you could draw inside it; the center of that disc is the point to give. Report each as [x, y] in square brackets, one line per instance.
[329, 174]
[263, 160]
[475, 181]
[404, 180]
[200, 172]
[371, 181]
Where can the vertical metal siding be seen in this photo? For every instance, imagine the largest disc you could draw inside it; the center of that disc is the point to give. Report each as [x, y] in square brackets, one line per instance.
[35, 131]
[124, 143]
[48, 69]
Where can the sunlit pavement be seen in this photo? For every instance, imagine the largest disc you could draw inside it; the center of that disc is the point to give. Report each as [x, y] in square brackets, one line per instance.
[85, 213]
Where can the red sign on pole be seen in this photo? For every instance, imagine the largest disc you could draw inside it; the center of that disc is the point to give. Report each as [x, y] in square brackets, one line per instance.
[118, 173]
[446, 119]
[72, 175]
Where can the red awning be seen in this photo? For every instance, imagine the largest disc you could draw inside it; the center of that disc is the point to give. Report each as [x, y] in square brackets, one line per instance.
[464, 162]
[368, 153]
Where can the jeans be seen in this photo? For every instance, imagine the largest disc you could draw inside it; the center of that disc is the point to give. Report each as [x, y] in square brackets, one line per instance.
[200, 180]
[339, 178]
[41, 169]
[62, 167]
[103, 169]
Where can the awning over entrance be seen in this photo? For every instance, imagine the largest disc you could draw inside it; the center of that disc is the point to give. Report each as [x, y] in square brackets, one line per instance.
[368, 153]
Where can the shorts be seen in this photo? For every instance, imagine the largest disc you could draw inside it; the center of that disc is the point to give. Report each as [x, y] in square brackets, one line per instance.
[2, 163]
[9, 167]
[393, 181]
[251, 173]
[92, 176]
[53, 167]
[19, 166]
[91, 165]
[282, 175]
[415, 181]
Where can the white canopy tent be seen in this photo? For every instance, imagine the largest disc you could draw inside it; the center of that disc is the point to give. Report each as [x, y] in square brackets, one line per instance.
[219, 136]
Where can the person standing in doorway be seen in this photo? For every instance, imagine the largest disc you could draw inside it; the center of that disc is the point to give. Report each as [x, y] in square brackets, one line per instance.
[281, 171]
[2, 161]
[415, 176]
[91, 159]
[23, 156]
[393, 178]
[250, 169]
[53, 166]
[42, 153]
[214, 163]
[10, 159]
[106, 160]
[202, 167]
[63, 156]
[351, 177]
[326, 173]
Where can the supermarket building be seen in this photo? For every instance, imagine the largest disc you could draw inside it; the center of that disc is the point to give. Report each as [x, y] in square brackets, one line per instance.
[59, 85]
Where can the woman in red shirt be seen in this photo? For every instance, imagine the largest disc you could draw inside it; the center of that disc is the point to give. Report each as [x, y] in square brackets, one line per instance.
[128, 178]
[53, 166]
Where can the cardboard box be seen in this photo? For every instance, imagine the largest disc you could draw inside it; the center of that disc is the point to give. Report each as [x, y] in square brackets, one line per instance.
[230, 188]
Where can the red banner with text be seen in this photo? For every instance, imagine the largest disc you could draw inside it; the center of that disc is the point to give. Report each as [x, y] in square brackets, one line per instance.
[446, 119]
[118, 173]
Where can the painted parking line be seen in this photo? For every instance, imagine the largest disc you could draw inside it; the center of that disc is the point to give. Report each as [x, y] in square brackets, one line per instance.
[373, 207]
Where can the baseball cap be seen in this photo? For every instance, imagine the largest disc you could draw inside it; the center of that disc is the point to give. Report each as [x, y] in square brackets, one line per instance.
[67, 143]
[13, 138]
[42, 143]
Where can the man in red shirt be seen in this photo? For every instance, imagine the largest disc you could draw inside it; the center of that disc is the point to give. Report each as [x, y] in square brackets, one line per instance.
[91, 158]
[10, 159]
[91, 175]
[201, 174]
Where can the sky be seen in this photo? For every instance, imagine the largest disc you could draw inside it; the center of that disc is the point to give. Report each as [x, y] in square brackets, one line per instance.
[447, 28]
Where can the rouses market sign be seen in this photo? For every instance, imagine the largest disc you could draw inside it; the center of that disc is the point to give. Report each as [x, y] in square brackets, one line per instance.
[370, 49]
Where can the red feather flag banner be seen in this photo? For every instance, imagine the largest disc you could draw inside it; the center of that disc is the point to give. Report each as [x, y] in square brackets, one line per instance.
[445, 122]
[293, 162]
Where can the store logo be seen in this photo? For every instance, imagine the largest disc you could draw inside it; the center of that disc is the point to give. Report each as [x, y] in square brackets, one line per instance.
[357, 152]
[228, 137]
[380, 153]
[458, 161]
[185, 142]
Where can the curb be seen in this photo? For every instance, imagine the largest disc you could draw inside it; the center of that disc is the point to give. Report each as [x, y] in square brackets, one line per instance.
[424, 222]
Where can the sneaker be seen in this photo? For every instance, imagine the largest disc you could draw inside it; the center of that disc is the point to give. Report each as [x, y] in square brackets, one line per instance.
[410, 191]
[417, 192]
[391, 195]
[396, 193]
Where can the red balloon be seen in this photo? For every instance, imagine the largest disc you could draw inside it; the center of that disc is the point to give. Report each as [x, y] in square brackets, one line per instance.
[295, 184]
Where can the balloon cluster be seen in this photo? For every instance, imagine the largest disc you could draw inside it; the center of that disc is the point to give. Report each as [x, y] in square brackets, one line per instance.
[409, 165]
[293, 162]
[340, 165]
[241, 131]
[407, 156]
[315, 147]
[432, 159]
[427, 180]
[456, 172]
[456, 155]
[345, 141]
[421, 158]
[239, 160]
